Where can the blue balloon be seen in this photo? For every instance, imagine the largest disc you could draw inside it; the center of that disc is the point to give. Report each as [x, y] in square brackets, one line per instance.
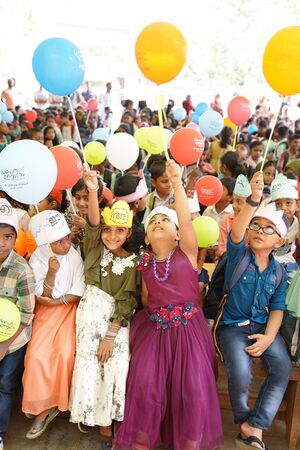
[101, 134]
[8, 117]
[3, 107]
[58, 66]
[211, 123]
[180, 114]
[201, 108]
[195, 118]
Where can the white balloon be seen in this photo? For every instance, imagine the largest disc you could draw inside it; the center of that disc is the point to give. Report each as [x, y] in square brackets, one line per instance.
[122, 150]
[28, 171]
[70, 144]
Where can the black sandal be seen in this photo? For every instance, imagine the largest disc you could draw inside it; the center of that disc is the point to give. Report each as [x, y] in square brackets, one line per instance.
[246, 443]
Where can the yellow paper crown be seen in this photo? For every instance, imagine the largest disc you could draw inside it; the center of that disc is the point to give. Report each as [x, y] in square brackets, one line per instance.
[118, 215]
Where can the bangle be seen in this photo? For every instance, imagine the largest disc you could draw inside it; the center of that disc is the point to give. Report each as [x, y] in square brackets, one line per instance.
[94, 190]
[108, 338]
[110, 334]
[48, 286]
[63, 300]
[252, 202]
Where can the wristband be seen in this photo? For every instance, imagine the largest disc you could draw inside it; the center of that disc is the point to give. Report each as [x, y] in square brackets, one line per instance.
[252, 202]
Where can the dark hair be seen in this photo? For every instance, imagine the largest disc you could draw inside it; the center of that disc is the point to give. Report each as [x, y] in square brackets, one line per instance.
[263, 123]
[32, 132]
[282, 131]
[64, 202]
[157, 168]
[226, 135]
[126, 184]
[6, 225]
[229, 183]
[256, 144]
[232, 162]
[25, 135]
[64, 114]
[55, 140]
[81, 185]
[153, 158]
[265, 166]
[294, 136]
[14, 203]
[123, 126]
[291, 176]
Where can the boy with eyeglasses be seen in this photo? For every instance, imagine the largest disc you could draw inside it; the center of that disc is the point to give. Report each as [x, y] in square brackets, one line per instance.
[253, 314]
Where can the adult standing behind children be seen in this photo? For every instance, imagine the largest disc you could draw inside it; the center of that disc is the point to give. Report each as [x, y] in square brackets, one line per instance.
[253, 315]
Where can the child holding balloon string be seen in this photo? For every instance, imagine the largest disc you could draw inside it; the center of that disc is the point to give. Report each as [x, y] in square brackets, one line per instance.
[171, 396]
[49, 360]
[102, 350]
[17, 286]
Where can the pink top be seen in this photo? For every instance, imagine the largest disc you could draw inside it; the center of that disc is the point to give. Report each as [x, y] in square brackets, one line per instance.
[225, 226]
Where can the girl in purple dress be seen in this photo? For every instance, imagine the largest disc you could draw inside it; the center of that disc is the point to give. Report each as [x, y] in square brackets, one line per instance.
[171, 397]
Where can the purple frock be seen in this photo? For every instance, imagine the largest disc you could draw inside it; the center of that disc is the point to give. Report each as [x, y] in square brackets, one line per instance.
[171, 397]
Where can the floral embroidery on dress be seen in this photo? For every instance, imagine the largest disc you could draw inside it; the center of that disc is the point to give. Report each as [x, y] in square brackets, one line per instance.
[118, 264]
[173, 315]
[145, 259]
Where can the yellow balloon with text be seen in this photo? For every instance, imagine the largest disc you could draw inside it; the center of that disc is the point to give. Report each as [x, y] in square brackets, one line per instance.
[10, 319]
[281, 61]
[160, 52]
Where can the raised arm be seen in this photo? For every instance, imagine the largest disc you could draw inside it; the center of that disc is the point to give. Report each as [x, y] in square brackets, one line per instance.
[91, 181]
[188, 241]
[245, 215]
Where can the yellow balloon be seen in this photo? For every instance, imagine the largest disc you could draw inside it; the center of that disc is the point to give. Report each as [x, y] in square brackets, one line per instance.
[229, 123]
[160, 52]
[9, 319]
[94, 153]
[140, 136]
[281, 61]
[154, 143]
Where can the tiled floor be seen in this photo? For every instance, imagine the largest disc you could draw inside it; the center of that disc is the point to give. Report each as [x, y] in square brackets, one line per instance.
[61, 435]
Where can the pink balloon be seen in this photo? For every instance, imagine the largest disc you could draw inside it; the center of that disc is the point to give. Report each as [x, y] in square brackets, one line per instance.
[92, 104]
[193, 125]
[84, 104]
[239, 110]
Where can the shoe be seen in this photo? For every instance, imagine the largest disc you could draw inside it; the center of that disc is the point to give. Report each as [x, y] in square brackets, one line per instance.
[40, 426]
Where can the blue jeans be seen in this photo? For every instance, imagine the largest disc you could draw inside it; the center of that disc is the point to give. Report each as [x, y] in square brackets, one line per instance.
[11, 370]
[232, 342]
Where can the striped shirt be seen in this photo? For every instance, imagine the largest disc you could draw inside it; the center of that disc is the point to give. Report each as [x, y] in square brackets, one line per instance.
[17, 284]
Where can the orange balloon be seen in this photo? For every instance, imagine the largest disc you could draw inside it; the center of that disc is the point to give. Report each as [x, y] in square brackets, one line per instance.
[160, 52]
[20, 245]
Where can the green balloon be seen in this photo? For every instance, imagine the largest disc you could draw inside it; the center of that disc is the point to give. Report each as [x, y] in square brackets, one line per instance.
[10, 319]
[94, 153]
[207, 231]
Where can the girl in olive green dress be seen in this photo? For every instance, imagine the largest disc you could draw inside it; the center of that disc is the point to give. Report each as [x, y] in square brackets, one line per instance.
[102, 333]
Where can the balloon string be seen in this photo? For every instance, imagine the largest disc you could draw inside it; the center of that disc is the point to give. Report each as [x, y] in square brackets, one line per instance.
[145, 162]
[71, 201]
[163, 138]
[76, 127]
[270, 137]
[235, 137]
[46, 234]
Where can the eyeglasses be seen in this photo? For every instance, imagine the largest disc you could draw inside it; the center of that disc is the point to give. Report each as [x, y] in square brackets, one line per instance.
[266, 230]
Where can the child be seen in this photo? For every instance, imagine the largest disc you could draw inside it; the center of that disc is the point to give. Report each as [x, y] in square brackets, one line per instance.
[171, 397]
[223, 207]
[285, 195]
[269, 171]
[290, 154]
[241, 191]
[56, 200]
[66, 128]
[133, 190]
[17, 284]
[231, 166]
[256, 152]
[252, 317]
[50, 138]
[163, 193]
[49, 360]
[102, 336]
[242, 149]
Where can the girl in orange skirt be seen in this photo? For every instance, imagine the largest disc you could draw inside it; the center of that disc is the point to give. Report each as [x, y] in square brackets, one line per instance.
[49, 360]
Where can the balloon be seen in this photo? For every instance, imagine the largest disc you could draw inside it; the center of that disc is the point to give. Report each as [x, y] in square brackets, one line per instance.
[3, 107]
[84, 104]
[229, 123]
[140, 136]
[31, 116]
[193, 125]
[201, 108]
[92, 104]
[160, 52]
[101, 134]
[160, 100]
[70, 144]
[58, 66]
[20, 245]
[209, 190]
[180, 114]
[195, 118]
[239, 110]
[207, 231]
[154, 143]
[10, 319]
[28, 171]
[186, 146]
[69, 166]
[211, 123]
[108, 195]
[281, 61]
[294, 113]
[8, 117]
[95, 153]
[122, 150]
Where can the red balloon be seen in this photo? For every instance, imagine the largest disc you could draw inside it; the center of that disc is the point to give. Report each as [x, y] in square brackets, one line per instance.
[239, 110]
[186, 146]
[108, 195]
[84, 104]
[31, 116]
[69, 167]
[92, 104]
[209, 190]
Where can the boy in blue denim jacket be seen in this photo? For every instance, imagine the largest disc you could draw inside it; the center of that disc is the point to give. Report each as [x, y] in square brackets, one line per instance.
[252, 317]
